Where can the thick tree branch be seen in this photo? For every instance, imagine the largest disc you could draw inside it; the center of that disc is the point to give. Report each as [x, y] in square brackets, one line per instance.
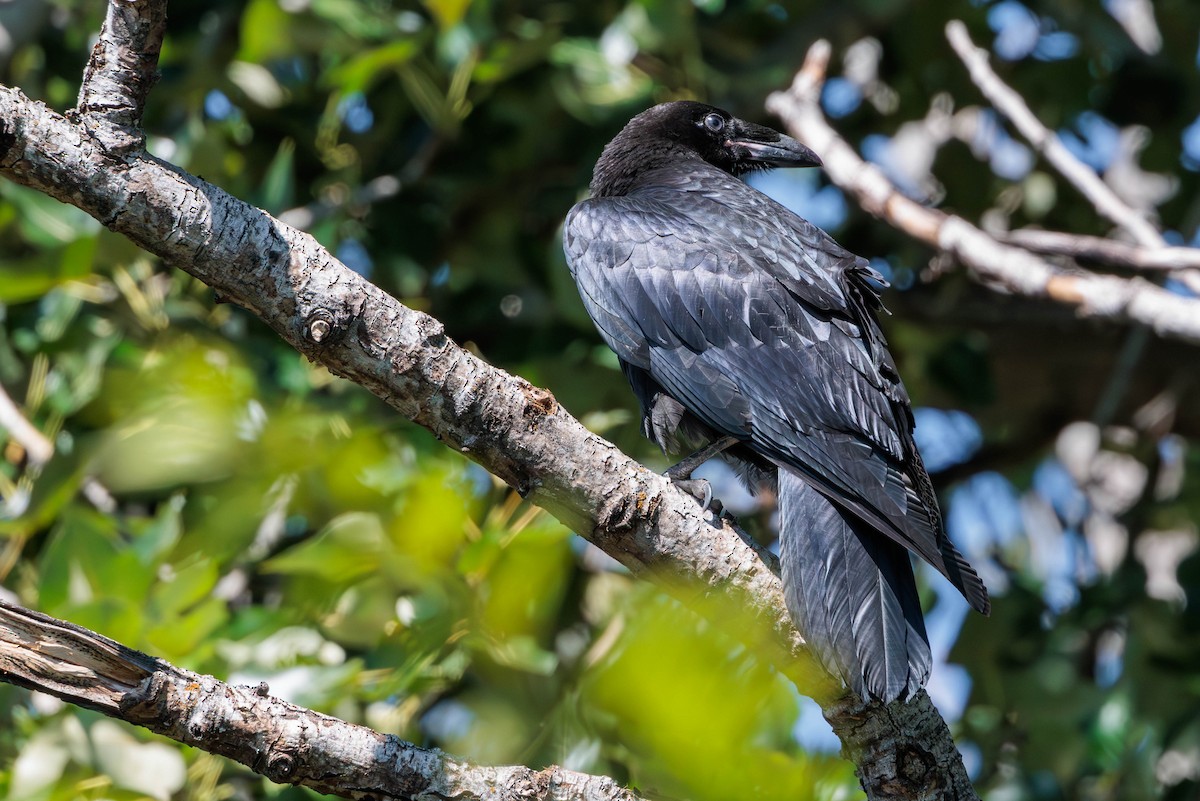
[515, 430]
[338, 319]
[987, 260]
[284, 742]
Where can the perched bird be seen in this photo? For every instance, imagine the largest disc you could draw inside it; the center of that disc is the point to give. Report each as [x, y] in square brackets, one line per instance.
[745, 328]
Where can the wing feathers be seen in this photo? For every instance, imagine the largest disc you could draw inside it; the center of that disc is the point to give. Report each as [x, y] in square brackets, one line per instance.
[852, 594]
[763, 327]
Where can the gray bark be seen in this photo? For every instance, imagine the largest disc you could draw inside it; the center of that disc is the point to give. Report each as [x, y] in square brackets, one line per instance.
[282, 741]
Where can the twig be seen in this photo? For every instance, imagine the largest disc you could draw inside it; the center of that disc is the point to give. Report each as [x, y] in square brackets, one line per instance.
[1099, 250]
[1009, 103]
[284, 742]
[1045, 141]
[37, 448]
[987, 260]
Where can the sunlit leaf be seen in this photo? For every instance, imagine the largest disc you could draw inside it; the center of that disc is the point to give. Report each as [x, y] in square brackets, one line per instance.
[430, 527]
[350, 546]
[46, 222]
[363, 69]
[448, 13]
[26, 279]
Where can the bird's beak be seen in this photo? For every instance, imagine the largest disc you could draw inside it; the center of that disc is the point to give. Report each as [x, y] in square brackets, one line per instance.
[758, 144]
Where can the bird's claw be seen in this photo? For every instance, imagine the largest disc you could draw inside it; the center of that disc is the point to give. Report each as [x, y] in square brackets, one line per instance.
[700, 489]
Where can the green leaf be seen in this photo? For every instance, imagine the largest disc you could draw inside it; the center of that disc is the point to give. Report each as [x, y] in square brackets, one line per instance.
[26, 279]
[430, 528]
[46, 222]
[279, 185]
[524, 654]
[183, 587]
[187, 636]
[264, 31]
[448, 13]
[154, 538]
[86, 562]
[349, 547]
[363, 69]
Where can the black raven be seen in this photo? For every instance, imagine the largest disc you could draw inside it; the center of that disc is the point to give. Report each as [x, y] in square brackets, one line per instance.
[741, 324]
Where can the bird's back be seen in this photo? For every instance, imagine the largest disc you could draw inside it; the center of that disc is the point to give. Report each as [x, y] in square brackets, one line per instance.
[763, 327]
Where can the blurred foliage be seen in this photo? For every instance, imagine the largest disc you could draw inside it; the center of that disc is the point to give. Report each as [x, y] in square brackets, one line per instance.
[217, 501]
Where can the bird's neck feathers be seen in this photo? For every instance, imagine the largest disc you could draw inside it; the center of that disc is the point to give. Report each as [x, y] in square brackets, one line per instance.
[629, 157]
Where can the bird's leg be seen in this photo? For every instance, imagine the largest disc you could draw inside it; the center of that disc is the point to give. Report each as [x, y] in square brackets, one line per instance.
[688, 464]
[680, 473]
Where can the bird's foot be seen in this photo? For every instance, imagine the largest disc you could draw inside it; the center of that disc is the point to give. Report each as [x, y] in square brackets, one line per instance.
[700, 489]
[683, 470]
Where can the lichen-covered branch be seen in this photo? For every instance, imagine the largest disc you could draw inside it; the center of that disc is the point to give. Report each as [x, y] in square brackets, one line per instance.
[284, 742]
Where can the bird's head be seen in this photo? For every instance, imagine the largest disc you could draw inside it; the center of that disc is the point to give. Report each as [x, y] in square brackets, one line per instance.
[685, 129]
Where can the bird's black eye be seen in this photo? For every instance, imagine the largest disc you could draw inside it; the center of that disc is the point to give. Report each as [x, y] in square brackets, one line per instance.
[714, 122]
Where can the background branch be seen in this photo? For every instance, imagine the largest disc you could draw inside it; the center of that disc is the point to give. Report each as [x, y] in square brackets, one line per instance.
[1110, 252]
[986, 259]
[37, 448]
[1046, 142]
[284, 742]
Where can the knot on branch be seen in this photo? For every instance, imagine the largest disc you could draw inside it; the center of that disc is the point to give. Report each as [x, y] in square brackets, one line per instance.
[320, 327]
[628, 504]
[280, 768]
[147, 701]
[539, 403]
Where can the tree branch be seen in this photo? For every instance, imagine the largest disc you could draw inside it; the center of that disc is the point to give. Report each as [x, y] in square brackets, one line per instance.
[284, 742]
[339, 320]
[37, 448]
[1046, 142]
[120, 73]
[515, 430]
[1110, 252]
[987, 260]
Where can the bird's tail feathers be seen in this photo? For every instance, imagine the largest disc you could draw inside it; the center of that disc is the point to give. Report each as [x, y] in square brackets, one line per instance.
[852, 594]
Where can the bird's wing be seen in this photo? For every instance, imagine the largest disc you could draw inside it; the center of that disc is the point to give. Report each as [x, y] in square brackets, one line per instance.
[761, 326]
